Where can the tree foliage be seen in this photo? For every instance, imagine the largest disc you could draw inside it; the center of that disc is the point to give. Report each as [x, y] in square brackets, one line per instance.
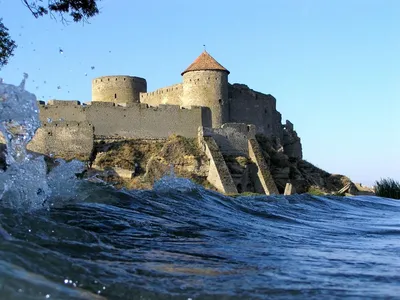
[7, 45]
[78, 10]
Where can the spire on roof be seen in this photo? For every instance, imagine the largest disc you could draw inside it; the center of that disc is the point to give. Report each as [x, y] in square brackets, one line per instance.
[205, 62]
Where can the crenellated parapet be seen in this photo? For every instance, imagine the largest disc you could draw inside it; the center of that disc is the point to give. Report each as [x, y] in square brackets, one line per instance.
[167, 95]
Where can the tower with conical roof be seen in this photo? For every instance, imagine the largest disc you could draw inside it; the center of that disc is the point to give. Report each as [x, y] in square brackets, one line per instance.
[205, 83]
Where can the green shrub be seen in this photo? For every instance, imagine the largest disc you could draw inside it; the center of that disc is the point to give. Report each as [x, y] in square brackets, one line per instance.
[316, 191]
[388, 188]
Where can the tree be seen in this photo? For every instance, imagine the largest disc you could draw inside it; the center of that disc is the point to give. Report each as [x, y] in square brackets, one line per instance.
[7, 45]
[79, 10]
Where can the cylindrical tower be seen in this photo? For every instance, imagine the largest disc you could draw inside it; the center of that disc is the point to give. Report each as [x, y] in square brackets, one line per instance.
[118, 89]
[205, 83]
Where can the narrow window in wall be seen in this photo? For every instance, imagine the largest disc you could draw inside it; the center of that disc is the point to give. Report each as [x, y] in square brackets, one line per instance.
[220, 101]
[115, 96]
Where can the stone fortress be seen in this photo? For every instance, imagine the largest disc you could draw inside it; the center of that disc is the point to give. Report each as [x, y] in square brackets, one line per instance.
[224, 117]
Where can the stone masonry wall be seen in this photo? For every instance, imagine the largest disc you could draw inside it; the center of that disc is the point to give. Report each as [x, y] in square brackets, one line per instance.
[168, 95]
[207, 88]
[118, 89]
[250, 107]
[135, 120]
[232, 138]
[64, 139]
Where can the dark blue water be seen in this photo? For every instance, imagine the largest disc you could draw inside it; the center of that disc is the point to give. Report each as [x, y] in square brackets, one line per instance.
[181, 241]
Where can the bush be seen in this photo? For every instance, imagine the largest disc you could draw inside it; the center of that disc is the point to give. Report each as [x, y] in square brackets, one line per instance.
[316, 191]
[388, 188]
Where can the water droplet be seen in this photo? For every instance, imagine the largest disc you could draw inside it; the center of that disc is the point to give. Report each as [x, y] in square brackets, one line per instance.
[70, 281]
[92, 67]
[85, 74]
[29, 230]
[45, 81]
[61, 51]
[66, 281]
[58, 87]
[49, 120]
[20, 290]
[47, 296]
[104, 287]
[37, 87]
[99, 292]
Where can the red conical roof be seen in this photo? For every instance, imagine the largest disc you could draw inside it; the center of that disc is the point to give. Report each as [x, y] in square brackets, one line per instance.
[205, 62]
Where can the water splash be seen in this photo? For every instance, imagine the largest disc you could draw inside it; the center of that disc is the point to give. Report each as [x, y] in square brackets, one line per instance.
[19, 119]
[172, 183]
[26, 183]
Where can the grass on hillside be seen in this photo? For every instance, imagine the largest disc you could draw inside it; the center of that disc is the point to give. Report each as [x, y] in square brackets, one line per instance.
[388, 188]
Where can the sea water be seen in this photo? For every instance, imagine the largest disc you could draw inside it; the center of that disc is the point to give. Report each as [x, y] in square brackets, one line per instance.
[63, 238]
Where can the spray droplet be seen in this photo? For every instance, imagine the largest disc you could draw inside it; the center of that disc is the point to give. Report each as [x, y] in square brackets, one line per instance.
[61, 51]
[66, 281]
[85, 74]
[44, 81]
[92, 67]
[47, 296]
[58, 87]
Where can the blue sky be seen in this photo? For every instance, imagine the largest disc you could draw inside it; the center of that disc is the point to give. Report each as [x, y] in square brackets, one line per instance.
[333, 66]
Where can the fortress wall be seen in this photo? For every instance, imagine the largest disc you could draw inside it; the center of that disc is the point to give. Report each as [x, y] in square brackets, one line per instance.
[64, 110]
[207, 88]
[231, 138]
[64, 139]
[140, 121]
[168, 95]
[124, 89]
[250, 107]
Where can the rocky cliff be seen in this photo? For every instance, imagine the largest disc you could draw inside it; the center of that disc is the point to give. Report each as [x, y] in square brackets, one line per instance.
[137, 164]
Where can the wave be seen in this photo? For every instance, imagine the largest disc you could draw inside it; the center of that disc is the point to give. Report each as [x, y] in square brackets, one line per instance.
[182, 241]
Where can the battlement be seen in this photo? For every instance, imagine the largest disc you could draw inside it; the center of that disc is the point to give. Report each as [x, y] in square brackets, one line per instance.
[63, 102]
[119, 78]
[65, 124]
[168, 89]
[168, 95]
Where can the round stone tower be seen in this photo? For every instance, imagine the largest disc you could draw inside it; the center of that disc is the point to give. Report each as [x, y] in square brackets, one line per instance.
[205, 83]
[118, 89]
